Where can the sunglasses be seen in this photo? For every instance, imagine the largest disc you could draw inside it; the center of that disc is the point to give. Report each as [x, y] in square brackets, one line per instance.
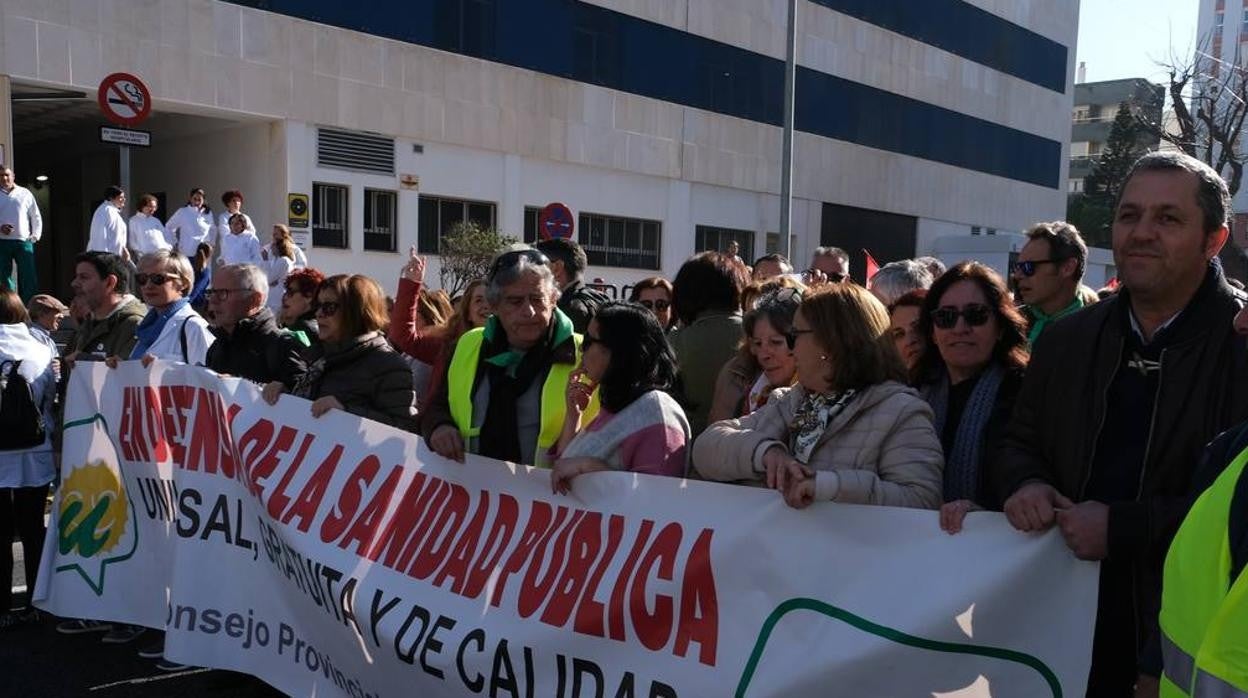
[1029, 268]
[976, 315]
[790, 337]
[156, 279]
[656, 305]
[326, 309]
[508, 260]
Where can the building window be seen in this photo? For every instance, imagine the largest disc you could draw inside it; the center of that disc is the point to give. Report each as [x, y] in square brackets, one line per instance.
[596, 55]
[610, 241]
[1079, 149]
[773, 244]
[466, 26]
[1076, 186]
[1081, 113]
[712, 239]
[438, 215]
[381, 215]
[1219, 20]
[531, 216]
[329, 215]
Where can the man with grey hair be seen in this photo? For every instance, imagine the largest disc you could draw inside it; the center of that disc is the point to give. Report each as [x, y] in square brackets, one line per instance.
[504, 393]
[829, 265]
[896, 279]
[1120, 399]
[249, 344]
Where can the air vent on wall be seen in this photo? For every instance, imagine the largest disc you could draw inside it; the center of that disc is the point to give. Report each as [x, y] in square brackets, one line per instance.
[352, 150]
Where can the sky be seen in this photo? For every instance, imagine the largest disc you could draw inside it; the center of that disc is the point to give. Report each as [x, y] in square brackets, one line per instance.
[1126, 38]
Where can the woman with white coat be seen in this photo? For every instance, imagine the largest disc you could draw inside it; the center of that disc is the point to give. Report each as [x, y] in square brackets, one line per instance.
[147, 233]
[233, 202]
[172, 330]
[277, 261]
[25, 473]
[190, 225]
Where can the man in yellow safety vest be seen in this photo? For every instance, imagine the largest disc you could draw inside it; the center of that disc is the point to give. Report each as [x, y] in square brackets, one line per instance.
[504, 394]
[1204, 602]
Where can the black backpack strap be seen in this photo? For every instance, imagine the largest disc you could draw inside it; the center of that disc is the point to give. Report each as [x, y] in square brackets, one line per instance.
[182, 339]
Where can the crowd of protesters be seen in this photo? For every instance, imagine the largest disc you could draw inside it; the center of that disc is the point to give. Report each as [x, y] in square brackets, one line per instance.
[927, 387]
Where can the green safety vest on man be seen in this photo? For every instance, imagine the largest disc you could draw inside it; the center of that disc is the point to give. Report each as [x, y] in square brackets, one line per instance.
[1204, 604]
[461, 379]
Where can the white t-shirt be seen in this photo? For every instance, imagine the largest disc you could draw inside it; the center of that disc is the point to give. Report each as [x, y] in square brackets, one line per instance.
[18, 209]
[243, 248]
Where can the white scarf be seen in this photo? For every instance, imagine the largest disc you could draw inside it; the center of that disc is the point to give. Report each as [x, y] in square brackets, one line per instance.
[17, 343]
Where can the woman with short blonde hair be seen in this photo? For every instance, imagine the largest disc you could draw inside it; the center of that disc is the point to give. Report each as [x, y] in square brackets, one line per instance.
[172, 330]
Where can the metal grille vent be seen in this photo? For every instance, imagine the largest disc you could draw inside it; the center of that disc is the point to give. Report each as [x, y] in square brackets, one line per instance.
[352, 150]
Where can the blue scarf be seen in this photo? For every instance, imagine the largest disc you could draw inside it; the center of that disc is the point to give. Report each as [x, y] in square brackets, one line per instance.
[149, 329]
[962, 462]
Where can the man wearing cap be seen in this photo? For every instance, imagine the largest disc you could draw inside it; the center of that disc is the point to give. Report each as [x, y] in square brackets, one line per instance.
[504, 391]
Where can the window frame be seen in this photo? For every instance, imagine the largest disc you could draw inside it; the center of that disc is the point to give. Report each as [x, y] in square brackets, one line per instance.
[440, 227]
[320, 231]
[605, 254]
[374, 234]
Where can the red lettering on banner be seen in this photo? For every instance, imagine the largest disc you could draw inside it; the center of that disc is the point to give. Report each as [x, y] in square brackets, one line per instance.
[500, 535]
[699, 606]
[535, 529]
[533, 591]
[434, 549]
[583, 550]
[654, 628]
[349, 499]
[402, 534]
[366, 525]
[313, 492]
[615, 613]
[152, 427]
[279, 500]
[456, 567]
[590, 611]
[129, 434]
[207, 437]
[176, 403]
[253, 444]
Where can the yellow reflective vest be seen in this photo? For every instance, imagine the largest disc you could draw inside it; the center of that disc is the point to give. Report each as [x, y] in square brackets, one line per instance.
[462, 374]
[1204, 613]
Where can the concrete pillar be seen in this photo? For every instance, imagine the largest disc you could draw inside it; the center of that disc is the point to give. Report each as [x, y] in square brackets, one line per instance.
[6, 122]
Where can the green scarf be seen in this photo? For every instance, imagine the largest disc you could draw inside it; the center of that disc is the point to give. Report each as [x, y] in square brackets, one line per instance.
[1040, 320]
[509, 359]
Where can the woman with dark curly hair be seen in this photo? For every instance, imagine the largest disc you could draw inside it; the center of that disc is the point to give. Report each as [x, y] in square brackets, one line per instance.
[640, 428]
[970, 376]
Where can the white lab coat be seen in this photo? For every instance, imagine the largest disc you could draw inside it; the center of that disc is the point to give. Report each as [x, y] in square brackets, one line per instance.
[108, 231]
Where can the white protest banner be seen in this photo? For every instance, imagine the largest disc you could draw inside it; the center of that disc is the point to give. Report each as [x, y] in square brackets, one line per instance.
[336, 556]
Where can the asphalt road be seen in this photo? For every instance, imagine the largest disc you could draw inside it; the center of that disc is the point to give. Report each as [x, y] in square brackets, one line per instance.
[35, 660]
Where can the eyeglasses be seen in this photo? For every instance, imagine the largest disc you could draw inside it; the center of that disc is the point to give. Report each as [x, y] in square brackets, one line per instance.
[660, 304]
[326, 309]
[1029, 267]
[222, 294]
[976, 315]
[790, 337]
[156, 279]
[508, 260]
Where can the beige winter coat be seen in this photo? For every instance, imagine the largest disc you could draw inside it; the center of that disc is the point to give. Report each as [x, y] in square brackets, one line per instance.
[882, 449]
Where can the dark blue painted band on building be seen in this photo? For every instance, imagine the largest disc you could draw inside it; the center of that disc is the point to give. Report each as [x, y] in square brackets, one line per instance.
[964, 30]
[586, 43]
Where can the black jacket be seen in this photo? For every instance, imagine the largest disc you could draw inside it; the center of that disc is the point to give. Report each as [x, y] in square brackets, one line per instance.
[580, 303]
[368, 377]
[1058, 417]
[258, 351]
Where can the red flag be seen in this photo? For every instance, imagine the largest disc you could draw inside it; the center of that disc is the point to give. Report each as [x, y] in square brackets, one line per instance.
[872, 266]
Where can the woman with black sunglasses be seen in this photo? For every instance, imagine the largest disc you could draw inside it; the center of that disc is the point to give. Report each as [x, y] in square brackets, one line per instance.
[655, 295]
[970, 376]
[358, 371]
[171, 330]
[640, 428]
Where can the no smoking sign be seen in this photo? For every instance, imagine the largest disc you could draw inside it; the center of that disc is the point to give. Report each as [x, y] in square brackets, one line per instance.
[124, 99]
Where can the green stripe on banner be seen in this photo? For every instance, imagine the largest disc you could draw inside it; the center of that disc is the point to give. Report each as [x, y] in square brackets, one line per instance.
[891, 635]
